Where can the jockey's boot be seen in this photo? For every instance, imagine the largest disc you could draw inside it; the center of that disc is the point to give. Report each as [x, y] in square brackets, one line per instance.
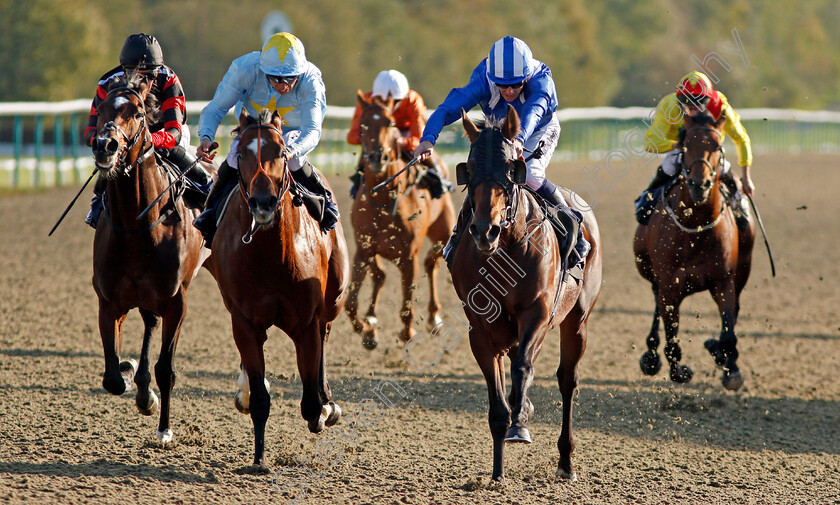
[195, 195]
[737, 200]
[96, 202]
[566, 222]
[206, 221]
[320, 203]
[431, 179]
[660, 178]
[457, 232]
[356, 179]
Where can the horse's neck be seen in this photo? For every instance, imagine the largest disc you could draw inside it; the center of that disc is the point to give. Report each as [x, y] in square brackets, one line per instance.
[129, 195]
[386, 195]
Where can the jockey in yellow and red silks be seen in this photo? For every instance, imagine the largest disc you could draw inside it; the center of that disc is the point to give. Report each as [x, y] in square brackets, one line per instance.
[695, 93]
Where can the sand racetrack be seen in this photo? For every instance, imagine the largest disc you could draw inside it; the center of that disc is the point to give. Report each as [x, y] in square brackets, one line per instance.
[640, 439]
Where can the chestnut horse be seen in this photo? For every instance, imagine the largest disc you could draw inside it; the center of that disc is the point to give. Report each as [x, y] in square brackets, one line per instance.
[147, 263]
[393, 223]
[275, 267]
[514, 289]
[693, 244]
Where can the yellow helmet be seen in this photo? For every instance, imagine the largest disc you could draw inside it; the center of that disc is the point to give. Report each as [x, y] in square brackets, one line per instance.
[283, 54]
[694, 86]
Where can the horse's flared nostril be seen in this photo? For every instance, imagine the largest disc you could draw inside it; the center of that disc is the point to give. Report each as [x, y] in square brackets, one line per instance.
[494, 232]
[111, 146]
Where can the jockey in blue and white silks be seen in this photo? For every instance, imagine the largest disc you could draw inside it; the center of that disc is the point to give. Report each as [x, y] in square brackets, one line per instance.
[510, 76]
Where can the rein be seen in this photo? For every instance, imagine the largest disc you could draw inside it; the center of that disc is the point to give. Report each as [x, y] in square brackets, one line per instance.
[252, 229]
[129, 144]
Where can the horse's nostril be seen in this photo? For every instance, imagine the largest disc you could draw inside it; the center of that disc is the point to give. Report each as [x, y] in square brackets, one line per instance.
[112, 146]
[495, 230]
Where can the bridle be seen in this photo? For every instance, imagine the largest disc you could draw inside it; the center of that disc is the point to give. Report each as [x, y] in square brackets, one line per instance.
[491, 172]
[382, 153]
[685, 169]
[128, 144]
[244, 191]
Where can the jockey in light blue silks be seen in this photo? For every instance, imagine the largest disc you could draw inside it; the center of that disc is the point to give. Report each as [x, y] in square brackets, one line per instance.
[278, 78]
[509, 76]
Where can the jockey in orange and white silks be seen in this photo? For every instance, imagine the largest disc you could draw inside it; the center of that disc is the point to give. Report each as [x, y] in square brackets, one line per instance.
[695, 92]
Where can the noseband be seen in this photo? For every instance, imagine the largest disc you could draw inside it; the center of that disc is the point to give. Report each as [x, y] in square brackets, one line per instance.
[383, 152]
[687, 166]
[242, 186]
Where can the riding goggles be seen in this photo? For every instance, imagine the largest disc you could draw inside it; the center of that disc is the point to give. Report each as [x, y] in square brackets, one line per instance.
[282, 79]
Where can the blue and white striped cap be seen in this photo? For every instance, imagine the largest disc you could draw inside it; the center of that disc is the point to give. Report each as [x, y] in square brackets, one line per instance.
[510, 61]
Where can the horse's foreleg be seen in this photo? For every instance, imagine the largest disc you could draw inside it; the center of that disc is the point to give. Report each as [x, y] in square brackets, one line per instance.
[324, 390]
[669, 309]
[492, 366]
[118, 376]
[165, 366]
[310, 358]
[531, 335]
[409, 268]
[249, 341]
[725, 351]
[431, 264]
[146, 400]
[572, 346]
[377, 275]
[650, 362]
[361, 262]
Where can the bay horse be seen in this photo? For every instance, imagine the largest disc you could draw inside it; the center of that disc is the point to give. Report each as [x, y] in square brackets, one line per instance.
[528, 293]
[393, 223]
[692, 244]
[275, 267]
[147, 263]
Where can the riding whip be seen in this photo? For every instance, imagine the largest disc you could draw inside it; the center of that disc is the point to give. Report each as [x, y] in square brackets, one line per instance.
[213, 146]
[389, 179]
[763, 234]
[72, 203]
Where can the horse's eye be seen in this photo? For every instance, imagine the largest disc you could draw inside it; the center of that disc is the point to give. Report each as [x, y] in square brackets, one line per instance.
[139, 115]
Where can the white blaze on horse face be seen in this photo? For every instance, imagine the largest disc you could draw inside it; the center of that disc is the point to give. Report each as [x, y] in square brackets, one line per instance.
[376, 116]
[120, 101]
[254, 146]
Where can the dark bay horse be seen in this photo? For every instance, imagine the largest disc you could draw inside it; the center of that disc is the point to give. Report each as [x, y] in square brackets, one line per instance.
[148, 263]
[393, 223]
[275, 267]
[693, 244]
[514, 289]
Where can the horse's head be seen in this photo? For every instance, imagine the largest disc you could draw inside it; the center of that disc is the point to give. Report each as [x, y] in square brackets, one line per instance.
[493, 175]
[702, 154]
[263, 176]
[378, 134]
[122, 129]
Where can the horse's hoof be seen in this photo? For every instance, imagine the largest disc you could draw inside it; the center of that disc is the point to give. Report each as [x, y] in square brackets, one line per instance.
[732, 381]
[165, 436]
[371, 320]
[681, 373]
[518, 435]
[316, 425]
[151, 404]
[566, 475]
[334, 416]
[713, 346]
[237, 402]
[433, 323]
[369, 343]
[650, 363]
[128, 369]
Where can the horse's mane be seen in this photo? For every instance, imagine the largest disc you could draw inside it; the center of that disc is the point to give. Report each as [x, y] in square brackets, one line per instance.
[264, 117]
[135, 83]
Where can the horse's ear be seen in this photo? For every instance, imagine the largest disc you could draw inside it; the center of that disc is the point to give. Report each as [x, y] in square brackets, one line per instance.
[244, 119]
[720, 122]
[361, 98]
[512, 124]
[276, 119]
[469, 126]
[390, 102]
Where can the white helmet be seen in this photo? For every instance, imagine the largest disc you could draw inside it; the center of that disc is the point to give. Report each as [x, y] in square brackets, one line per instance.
[283, 54]
[390, 81]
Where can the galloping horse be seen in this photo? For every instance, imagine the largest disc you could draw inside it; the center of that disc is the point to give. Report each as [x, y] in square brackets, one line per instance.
[511, 280]
[148, 263]
[275, 267]
[693, 244]
[393, 223]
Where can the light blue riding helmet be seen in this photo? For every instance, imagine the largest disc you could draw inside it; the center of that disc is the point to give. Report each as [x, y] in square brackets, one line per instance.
[283, 54]
[510, 61]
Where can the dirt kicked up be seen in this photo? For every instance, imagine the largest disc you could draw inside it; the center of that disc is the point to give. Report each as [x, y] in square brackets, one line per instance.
[422, 437]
